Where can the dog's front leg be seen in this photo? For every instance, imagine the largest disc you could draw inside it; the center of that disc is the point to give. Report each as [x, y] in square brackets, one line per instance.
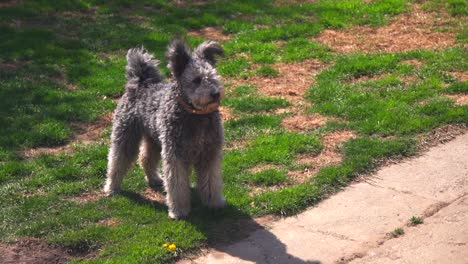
[209, 181]
[177, 185]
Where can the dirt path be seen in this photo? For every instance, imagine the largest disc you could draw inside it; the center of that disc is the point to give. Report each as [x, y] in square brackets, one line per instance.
[353, 226]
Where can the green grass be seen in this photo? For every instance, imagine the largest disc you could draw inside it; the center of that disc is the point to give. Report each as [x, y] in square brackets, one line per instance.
[251, 126]
[62, 65]
[390, 106]
[455, 7]
[246, 100]
[235, 67]
[416, 220]
[267, 71]
[300, 49]
[267, 178]
[244, 90]
[63, 50]
[397, 232]
[255, 104]
[458, 88]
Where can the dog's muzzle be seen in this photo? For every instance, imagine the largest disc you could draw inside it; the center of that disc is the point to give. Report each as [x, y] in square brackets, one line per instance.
[210, 108]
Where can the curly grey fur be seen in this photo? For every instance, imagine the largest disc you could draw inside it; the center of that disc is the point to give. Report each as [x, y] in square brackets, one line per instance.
[208, 51]
[141, 65]
[149, 118]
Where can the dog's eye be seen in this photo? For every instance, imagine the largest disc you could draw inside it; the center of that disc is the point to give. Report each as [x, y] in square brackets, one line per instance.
[197, 81]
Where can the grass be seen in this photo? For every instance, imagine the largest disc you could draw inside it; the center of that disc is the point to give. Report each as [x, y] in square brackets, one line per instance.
[62, 65]
[416, 220]
[390, 106]
[455, 7]
[397, 232]
[458, 88]
[267, 178]
[267, 71]
[251, 126]
[252, 104]
[300, 49]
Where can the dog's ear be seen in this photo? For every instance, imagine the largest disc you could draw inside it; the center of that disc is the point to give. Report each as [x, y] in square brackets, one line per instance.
[208, 51]
[178, 55]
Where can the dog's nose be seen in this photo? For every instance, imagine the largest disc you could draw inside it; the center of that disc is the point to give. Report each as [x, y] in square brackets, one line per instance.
[215, 95]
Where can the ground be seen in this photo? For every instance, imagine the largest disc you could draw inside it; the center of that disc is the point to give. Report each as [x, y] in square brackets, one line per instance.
[318, 94]
[411, 212]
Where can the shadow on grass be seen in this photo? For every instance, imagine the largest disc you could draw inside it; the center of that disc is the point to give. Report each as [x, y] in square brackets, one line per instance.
[225, 227]
[82, 43]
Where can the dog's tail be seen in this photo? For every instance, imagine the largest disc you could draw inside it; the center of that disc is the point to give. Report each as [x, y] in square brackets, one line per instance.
[142, 66]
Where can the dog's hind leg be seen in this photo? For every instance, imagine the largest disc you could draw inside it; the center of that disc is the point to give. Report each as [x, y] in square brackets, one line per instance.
[125, 141]
[209, 181]
[150, 155]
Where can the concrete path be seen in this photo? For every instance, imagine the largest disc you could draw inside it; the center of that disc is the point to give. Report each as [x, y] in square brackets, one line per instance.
[353, 225]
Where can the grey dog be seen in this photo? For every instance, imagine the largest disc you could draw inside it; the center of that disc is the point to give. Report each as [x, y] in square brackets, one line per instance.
[177, 122]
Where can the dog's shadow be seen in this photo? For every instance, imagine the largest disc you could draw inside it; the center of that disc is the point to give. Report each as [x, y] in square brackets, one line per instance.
[232, 232]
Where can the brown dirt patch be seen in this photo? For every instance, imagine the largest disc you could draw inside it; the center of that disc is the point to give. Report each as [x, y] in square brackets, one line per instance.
[11, 66]
[71, 86]
[330, 155]
[185, 3]
[10, 3]
[460, 99]
[35, 193]
[410, 79]
[292, 83]
[301, 123]
[226, 114]
[88, 133]
[110, 222]
[154, 196]
[366, 78]
[210, 33]
[238, 144]
[416, 63]
[300, 177]
[35, 152]
[335, 139]
[460, 76]
[88, 197]
[406, 32]
[32, 251]
[84, 133]
[441, 135]
[264, 167]
[257, 190]
[289, 110]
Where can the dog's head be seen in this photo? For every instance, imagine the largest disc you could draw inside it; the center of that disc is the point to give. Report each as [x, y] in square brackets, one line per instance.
[195, 73]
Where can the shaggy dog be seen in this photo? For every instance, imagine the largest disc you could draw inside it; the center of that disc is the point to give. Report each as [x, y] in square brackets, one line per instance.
[177, 122]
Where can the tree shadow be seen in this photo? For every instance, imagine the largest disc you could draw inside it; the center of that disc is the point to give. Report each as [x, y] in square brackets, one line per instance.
[54, 59]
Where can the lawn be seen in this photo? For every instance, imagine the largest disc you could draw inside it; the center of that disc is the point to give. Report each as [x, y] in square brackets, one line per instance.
[334, 115]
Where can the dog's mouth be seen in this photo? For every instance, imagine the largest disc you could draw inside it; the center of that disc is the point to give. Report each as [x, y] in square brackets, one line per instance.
[204, 107]
[211, 107]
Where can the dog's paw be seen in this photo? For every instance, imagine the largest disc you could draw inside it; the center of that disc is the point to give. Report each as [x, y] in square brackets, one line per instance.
[217, 204]
[110, 192]
[154, 182]
[178, 214]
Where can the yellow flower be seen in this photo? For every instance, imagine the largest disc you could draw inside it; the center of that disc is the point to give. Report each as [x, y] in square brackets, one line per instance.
[172, 247]
[165, 245]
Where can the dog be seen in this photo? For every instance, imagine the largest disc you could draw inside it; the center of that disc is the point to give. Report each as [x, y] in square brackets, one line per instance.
[174, 122]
